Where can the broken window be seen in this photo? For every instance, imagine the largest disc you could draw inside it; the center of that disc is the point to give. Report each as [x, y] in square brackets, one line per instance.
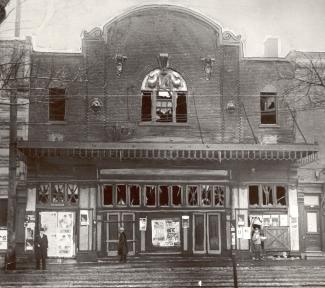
[267, 193]
[146, 107]
[192, 195]
[134, 191]
[164, 106]
[253, 195]
[219, 196]
[206, 191]
[43, 193]
[150, 192]
[121, 194]
[57, 193]
[177, 195]
[108, 195]
[72, 194]
[163, 195]
[56, 104]
[268, 108]
[281, 198]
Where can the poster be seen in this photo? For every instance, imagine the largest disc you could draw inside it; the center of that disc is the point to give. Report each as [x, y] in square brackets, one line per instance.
[267, 220]
[3, 239]
[185, 221]
[241, 220]
[283, 220]
[59, 228]
[165, 232]
[256, 220]
[240, 232]
[246, 232]
[143, 224]
[84, 219]
[29, 236]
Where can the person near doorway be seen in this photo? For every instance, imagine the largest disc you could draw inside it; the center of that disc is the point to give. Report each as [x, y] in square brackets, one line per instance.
[40, 246]
[256, 242]
[122, 248]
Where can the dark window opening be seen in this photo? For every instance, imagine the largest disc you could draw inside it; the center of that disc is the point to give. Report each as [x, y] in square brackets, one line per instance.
[253, 195]
[163, 195]
[134, 195]
[151, 195]
[192, 195]
[56, 104]
[3, 212]
[146, 107]
[181, 108]
[73, 193]
[121, 194]
[281, 196]
[108, 195]
[43, 193]
[177, 195]
[268, 108]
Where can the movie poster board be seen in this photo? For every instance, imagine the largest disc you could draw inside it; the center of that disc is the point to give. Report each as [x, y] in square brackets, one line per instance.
[165, 232]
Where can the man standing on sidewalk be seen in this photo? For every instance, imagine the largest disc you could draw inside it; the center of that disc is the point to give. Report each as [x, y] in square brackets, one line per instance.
[122, 248]
[41, 244]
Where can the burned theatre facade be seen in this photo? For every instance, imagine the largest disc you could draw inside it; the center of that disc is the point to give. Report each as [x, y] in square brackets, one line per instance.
[162, 126]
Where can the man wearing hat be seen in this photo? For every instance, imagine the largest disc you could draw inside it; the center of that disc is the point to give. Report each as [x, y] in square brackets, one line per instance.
[41, 245]
[122, 248]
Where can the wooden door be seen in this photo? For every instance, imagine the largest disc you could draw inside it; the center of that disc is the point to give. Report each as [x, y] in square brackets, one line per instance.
[199, 233]
[213, 233]
[312, 228]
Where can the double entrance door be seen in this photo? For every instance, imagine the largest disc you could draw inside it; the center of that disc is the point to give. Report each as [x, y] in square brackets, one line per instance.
[112, 224]
[206, 233]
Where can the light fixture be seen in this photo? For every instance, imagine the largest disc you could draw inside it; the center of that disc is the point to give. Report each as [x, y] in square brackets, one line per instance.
[231, 107]
[119, 61]
[208, 61]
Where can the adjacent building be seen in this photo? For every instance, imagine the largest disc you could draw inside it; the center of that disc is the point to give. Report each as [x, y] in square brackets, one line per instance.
[161, 125]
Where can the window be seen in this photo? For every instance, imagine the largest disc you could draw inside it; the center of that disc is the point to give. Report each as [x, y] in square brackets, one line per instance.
[150, 194]
[176, 195]
[56, 104]
[193, 195]
[219, 196]
[163, 195]
[206, 195]
[135, 192]
[108, 195]
[43, 193]
[121, 195]
[57, 194]
[72, 193]
[268, 108]
[267, 195]
[3, 212]
[164, 97]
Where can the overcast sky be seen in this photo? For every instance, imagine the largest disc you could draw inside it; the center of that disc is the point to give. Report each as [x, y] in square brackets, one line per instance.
[57, 24]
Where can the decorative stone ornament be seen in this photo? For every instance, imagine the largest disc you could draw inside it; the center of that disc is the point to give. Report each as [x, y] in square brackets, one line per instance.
[208, 61]
[96, 105]
[119, 61]
[231, 107]
[163, 61]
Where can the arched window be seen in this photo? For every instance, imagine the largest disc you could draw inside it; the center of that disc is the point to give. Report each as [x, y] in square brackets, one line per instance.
[164, 93]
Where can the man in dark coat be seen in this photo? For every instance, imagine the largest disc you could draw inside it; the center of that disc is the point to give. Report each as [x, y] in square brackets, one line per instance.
[122, 248]
[41, 245]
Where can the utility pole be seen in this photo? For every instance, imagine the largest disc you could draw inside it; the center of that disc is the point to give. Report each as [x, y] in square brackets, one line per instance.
[12, 193]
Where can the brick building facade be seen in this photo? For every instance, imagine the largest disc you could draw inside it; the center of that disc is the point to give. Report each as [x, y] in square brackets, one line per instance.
[161, 125]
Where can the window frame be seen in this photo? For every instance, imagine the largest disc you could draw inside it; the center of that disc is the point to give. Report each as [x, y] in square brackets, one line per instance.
[145, 195]
[168, 193]
[172, 195]
[129, 194]
[274, 195]
[198, 195]
[265, 112]
[103, 189]
[126, 195]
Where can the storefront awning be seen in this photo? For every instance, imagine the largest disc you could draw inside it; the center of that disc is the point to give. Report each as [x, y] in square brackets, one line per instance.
[300, 153]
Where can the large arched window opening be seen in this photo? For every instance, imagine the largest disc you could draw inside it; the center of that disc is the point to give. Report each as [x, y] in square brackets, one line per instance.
[164, 94]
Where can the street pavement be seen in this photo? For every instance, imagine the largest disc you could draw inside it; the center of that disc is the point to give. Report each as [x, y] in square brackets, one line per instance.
[171, 272]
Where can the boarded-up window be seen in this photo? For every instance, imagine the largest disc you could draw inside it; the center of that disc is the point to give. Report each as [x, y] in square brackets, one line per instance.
[146, 106]
[56, 104]
[181, 108]
[268, 108]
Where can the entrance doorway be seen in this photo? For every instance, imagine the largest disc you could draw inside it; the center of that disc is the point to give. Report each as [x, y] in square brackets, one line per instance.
[206, 233]
[312, 223]
[114, 221]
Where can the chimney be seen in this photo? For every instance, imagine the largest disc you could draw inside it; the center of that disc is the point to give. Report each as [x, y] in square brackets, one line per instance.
[271, 47]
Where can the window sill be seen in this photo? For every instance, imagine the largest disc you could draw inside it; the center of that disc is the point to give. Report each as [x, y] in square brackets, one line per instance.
[51, 122]
[162, 124]
[269, 126]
